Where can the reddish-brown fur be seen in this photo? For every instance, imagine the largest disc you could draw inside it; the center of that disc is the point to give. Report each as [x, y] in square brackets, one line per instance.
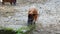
[33, 11]
[10, 1]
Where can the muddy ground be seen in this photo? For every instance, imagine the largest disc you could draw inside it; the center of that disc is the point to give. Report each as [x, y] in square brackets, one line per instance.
[49, 15]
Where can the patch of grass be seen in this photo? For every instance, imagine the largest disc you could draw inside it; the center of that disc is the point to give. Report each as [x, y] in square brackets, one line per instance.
[8, 28]
[25, 30]
[7, 31]
[22, 30]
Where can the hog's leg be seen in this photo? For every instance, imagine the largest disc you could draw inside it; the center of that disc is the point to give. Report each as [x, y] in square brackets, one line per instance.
[3, 3]
[11, 3]
[14, 2]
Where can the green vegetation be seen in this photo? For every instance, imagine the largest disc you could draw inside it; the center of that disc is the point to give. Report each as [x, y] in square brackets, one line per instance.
[25, 30]
[22, 30]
